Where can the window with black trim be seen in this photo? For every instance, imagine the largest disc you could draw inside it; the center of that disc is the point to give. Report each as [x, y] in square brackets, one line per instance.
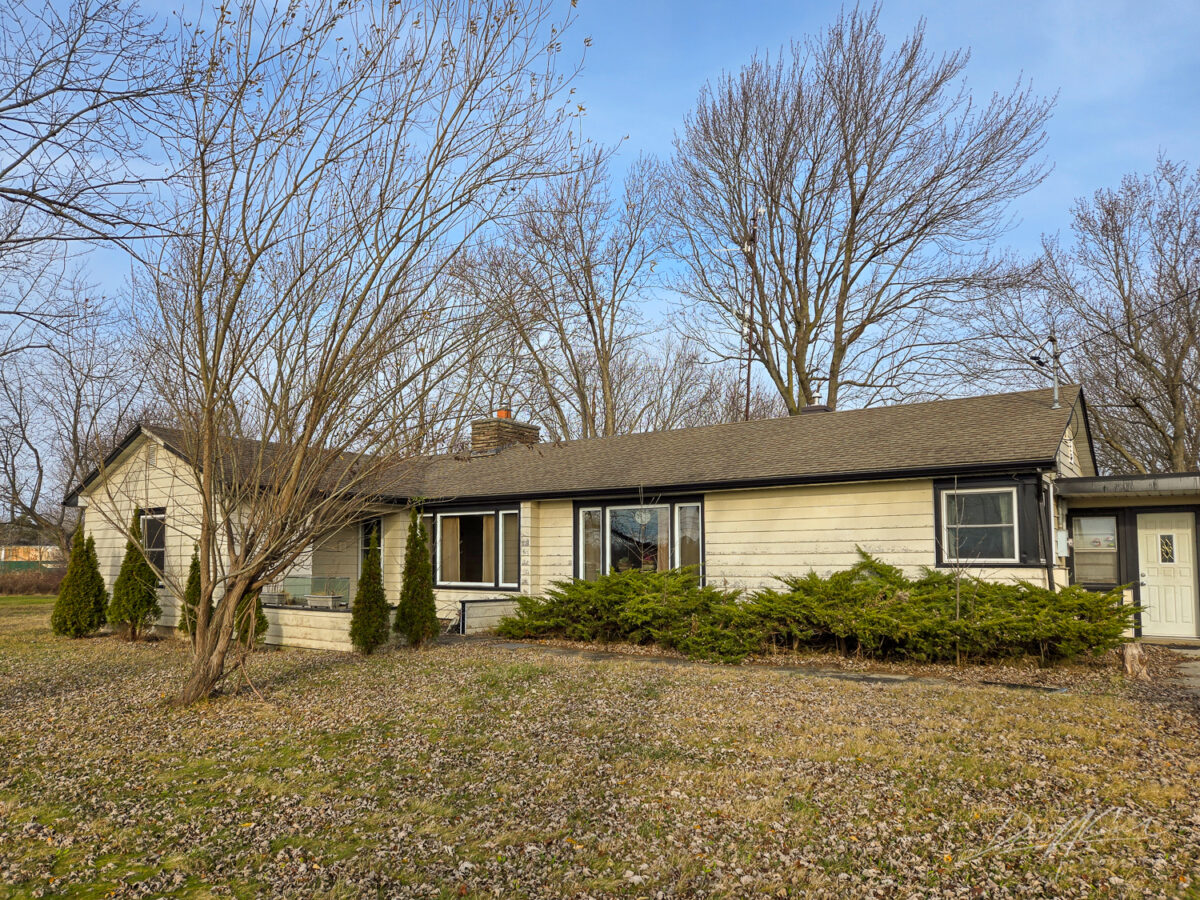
[979, 525]
[478, 548]
[646, 537]
[154, 537]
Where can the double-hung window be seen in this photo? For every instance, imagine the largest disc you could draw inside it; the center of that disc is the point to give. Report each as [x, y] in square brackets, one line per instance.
[479, 549]
[370, 528]
[154, 537]
[651, 537]
[980, 525]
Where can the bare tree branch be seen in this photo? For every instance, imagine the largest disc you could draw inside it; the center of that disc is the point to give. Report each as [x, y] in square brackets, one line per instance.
[860, 188]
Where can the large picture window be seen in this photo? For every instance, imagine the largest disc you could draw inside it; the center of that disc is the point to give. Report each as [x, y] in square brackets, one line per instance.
[479, 549]
[649, 537]
[980, 525]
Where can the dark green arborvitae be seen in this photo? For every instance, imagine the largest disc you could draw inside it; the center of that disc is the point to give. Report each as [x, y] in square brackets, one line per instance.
[244, 618]
[78, 611]
[191, 598]
[135, 594]
[369, 618]
[96, 588]
[416, 617]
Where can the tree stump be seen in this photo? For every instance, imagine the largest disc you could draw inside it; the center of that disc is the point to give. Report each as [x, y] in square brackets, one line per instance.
[1134, 661]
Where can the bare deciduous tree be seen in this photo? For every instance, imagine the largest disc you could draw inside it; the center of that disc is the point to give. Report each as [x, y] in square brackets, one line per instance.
[338, 156]
[80, 82]
[81, 88]
[566, 289]
[573, 341]
[1123, 297]
[835, 202]
[62, 409]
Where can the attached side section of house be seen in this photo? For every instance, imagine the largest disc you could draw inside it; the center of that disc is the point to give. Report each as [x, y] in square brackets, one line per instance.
[990, 486]
[144, 476]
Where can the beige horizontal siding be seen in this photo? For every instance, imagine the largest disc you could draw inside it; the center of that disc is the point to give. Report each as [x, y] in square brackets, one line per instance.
[486, 615]
[313, 629]
[129, 483]
[1035, 574]
[753, 536]
[552, 536]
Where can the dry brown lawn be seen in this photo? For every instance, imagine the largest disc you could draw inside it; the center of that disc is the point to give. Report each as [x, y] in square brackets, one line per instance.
[478, 771]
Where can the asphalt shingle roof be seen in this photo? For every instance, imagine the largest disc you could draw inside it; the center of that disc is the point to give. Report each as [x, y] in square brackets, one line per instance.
[919, 439]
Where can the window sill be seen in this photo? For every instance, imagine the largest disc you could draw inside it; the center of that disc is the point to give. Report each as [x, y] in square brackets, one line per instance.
[450, 586]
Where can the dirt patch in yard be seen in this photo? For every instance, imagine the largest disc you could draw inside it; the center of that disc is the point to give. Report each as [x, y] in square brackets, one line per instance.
[475, 771]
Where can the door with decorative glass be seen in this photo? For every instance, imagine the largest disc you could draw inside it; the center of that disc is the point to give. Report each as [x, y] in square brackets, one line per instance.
[1167, 571]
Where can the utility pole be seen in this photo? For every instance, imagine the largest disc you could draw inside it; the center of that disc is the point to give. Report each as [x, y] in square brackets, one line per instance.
[1054, 365]
[1052, 362]
[748, 313]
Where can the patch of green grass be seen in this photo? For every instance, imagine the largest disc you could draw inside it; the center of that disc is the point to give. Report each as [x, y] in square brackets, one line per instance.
[29, 600]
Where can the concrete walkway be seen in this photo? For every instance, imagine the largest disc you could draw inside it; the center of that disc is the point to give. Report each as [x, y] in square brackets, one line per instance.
[1189, 672]
[803, 671]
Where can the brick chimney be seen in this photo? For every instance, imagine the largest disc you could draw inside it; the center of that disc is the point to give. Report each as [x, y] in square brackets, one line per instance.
[500, 431]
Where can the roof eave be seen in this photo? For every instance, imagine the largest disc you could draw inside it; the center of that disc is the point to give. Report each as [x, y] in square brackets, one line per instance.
[139, 430]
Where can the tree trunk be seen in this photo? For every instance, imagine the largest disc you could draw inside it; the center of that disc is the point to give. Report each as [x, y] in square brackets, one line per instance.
[207, 670]
[211, 647]
[1134, 661]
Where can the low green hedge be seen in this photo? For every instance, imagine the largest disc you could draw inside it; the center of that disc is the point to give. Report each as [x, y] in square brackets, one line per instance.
[870, 610]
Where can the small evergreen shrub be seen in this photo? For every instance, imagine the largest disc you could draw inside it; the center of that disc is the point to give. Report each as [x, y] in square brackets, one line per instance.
[369, 618]
[870, 610]
[134, 602]
[250, 615]
[191, 598]
[671, 609]
[96, 588]
[79, 609]
[416, 616]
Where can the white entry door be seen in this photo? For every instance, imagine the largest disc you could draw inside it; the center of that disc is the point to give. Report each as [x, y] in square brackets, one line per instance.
[1167, 566]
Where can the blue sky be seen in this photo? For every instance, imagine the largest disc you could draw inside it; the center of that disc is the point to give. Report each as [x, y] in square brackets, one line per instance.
[1127, 74]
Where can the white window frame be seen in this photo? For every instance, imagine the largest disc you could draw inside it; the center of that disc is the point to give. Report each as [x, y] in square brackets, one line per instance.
[678, 533]
[1076, 549]
[501, 515]
[581, 551]
[948, 493]
[436, 541]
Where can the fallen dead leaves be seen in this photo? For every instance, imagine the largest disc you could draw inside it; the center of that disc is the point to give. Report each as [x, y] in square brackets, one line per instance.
[475, 771]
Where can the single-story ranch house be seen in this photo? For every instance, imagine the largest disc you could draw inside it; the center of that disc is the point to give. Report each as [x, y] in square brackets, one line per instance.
[1002, 486]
